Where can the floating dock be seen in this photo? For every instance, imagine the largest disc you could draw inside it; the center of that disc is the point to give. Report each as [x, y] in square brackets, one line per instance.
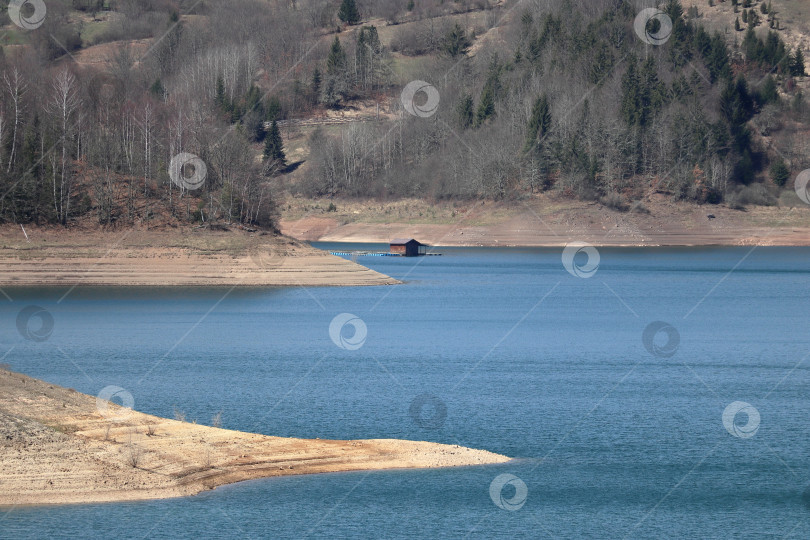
[377, 254]
[398, 247]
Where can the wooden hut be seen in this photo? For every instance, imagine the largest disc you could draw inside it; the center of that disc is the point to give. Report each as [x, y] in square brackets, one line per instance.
[407, 247]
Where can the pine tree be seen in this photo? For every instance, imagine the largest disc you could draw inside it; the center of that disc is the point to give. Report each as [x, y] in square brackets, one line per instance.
[797, 64]
[486, 107]
[491, 91]
[336, 60]
[274, 148]
[315, 86]
[348, 12]
[464, 110]
[336, 85]
[769, 93]
[157, 89]
[220, 98]
[737, 26]
[539, 123]
[718, 60]
[456, 42]
[631, 94]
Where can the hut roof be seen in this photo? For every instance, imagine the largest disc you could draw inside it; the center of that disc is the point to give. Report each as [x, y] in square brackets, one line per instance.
[402, 241]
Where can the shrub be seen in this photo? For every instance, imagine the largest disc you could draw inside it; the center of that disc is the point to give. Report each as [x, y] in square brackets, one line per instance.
[779, 173]
[615, 201]
[754, 194]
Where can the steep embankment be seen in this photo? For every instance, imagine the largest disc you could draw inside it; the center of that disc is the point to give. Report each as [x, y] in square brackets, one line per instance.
[56, 446]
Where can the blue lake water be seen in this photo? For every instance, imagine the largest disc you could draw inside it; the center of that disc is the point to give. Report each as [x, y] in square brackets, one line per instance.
[614, 436]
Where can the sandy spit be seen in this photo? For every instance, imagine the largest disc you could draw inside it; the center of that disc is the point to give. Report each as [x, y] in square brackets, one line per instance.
[57, 447]
[54, 257]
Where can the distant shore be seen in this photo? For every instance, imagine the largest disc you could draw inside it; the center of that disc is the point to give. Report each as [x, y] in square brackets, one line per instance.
[65, 257]
[548, 221]
[57, 446]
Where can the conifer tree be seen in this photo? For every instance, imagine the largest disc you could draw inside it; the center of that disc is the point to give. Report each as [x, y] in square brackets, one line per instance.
[336, 85]
[539, 122]
[274, 148]
[486, 107]
[464, 110]
[348, 12]
[456, 42]
[315, 85]
[797, 64]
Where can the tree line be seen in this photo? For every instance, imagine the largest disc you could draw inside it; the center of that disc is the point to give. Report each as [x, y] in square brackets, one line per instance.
[575, 101]
[570, 99]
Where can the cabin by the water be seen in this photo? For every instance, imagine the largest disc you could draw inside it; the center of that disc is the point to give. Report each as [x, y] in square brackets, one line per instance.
[407, 247]
[398, 247]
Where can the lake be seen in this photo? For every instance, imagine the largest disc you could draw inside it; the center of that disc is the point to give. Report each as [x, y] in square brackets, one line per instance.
[662, 393]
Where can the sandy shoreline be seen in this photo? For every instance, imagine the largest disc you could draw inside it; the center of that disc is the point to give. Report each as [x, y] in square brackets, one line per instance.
[54, 257]
[57, 446]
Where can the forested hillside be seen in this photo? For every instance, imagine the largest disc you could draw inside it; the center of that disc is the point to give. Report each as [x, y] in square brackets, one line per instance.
[159, 111]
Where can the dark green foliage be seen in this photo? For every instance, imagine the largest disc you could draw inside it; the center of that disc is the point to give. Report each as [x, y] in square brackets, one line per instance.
[486, 107]
[779, 172]
[539, 123]
[768, 92]
[272, 109]
[274, 147]
[643, 94]
[744, 169]
[348, 12]
[315, 86]
[368, 42]
[157, 89]
[220, 98]
[602, 64]
[680, 42]
[491, 91]
[717, 59]
[736, 103]
[769, 54]
[464, 112]
[336, 85]
[797, 64]
[456, 42]
[336, 60]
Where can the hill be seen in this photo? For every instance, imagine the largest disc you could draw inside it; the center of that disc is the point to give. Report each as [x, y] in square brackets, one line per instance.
[167, 113]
